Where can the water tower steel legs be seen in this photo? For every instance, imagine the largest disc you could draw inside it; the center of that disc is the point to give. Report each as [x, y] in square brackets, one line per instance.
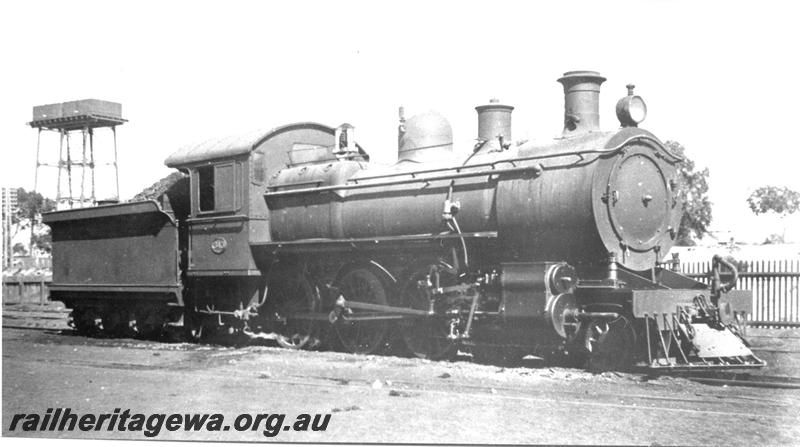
[60, 165]
[116, 165]
[69, 169]
[65, 162]
[91, 154]
[83, 166]
[36, 175]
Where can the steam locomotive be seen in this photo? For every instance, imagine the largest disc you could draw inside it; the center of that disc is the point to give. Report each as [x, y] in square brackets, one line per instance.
[291, 234]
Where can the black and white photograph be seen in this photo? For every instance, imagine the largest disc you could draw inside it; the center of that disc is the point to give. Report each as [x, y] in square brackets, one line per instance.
[404, 223]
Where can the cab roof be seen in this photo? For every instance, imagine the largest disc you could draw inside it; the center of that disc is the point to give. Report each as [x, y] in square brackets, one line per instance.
[234, 145]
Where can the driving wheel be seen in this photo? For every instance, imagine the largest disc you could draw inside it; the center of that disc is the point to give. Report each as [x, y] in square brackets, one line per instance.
[425, 337]
[288, 296]
[362, 335]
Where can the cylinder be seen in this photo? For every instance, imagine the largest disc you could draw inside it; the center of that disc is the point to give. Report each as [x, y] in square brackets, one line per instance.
[494, 121]
[581, 101]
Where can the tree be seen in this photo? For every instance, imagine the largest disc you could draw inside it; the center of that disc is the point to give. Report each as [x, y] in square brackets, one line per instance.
[43, 241]
[20, 249]
[774, 239]
[29, 204]
[696, 210]
[778, 200]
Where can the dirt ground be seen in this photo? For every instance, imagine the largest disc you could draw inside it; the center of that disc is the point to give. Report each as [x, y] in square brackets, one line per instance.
[384, 399]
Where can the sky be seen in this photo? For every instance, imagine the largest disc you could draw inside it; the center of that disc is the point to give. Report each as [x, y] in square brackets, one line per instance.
[719, 77]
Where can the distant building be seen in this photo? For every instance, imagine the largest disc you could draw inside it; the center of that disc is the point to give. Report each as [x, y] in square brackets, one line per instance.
[9, 200]
[722, 236]
[9, 206]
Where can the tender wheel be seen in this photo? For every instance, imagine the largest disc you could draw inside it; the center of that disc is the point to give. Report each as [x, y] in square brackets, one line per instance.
[610, 344]
[292, 295]
[426, 338]
[362, 337]
[85, 320]
[149, 322]
[115, 322]
[192, 325]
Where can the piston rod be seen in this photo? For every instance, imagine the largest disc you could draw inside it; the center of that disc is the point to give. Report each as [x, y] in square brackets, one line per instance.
[585, 316]
[343, 303]
[396, 312]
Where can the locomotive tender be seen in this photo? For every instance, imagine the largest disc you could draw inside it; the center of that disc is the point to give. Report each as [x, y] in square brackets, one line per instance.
[517, 248]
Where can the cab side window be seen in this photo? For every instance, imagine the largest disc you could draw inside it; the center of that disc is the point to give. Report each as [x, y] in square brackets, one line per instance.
[257, 165]
[216, 188]
[205, 179]
[225, 187]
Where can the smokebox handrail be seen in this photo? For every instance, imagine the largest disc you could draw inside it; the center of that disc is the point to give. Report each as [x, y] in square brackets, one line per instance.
[354, 183]
[507, 160]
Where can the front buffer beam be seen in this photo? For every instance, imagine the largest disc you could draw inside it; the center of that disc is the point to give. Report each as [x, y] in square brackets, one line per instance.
[684, 331]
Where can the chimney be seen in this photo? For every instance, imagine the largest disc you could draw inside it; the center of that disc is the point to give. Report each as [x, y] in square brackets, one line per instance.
[581, 101]
[494, 123]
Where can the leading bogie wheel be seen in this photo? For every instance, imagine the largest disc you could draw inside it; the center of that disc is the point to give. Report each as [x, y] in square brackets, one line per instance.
[362, 336]
[610, 344]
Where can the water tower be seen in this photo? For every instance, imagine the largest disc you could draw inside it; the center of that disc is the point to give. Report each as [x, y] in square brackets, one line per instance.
[76, 120]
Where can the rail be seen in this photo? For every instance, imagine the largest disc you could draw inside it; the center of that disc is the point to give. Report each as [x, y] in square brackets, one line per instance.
[744, 379]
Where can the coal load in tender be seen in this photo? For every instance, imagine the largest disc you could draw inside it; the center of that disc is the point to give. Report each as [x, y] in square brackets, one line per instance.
[157, 189]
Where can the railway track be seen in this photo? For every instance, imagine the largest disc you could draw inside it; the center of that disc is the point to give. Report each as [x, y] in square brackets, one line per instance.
[381, 390]
[15, 319]
[716, 378]
[695, 404]
[748, 380]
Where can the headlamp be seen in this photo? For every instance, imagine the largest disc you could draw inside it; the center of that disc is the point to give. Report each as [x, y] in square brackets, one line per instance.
[631, 110]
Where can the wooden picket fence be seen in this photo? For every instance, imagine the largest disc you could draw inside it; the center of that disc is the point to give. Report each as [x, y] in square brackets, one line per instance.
[25, 289]
[775, 285]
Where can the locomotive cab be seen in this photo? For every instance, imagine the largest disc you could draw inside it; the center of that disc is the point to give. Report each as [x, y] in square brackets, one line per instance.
[218, 221]
[228, 178]
[228, 214]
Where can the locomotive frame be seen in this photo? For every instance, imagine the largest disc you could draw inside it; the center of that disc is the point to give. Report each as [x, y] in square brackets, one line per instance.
[290, 234]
